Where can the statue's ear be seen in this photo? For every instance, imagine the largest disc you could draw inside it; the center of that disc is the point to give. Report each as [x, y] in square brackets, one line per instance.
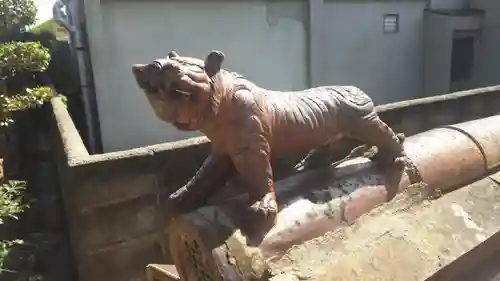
[172, 54]
[213, 62]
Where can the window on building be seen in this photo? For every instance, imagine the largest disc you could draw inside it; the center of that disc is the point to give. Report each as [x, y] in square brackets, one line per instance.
[391, 23]
[462, 58]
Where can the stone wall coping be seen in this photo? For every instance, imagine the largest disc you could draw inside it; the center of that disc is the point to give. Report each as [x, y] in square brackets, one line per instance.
[76, 154]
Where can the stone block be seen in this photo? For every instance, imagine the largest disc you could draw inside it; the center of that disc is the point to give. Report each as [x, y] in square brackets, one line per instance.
[101, 191]
[122, 261]
[409, 122]
[116, 223]
[443, 113]
[162, 272]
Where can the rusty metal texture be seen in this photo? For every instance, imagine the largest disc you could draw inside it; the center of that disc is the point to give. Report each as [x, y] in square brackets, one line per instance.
[451, 155]
[487, 137]
[446, 157]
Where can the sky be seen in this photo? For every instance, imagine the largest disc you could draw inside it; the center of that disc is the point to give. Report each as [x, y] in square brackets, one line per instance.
[44, 10]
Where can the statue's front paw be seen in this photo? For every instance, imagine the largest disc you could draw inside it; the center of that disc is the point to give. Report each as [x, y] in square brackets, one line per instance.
[262, 217]
[401, 137]
[266, 208]
[400, 161]
[391, 161]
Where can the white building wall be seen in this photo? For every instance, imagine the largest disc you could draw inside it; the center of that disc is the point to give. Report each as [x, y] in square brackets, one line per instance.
[267, 43]
[389, 67]
[487, 53]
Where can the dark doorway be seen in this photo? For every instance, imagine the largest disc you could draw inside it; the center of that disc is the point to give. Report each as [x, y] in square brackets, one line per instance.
[462, 61]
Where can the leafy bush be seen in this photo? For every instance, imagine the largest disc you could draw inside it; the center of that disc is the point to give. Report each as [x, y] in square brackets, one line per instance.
[18, 58]
[53, 27]
[11, 204]
[16, 15]
[20, 63]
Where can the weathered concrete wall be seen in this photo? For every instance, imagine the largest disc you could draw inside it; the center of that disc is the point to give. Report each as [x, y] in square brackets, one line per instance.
[487, 58]
[440, 29]
[402, 240]
[482, 263]
[448, 4]
[113, 201]
[356, 51]
[437, 53]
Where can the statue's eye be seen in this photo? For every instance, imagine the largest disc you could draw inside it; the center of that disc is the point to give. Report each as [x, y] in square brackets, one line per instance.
[183, 95]
[179, 94]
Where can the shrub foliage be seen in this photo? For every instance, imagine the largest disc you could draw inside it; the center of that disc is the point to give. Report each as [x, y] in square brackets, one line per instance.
[20, 89]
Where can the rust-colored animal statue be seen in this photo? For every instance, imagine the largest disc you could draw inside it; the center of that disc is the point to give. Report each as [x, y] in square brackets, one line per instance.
[247, 125]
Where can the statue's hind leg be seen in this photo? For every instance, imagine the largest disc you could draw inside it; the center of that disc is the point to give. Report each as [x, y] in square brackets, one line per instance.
[329, 153]
[372, 130]
[391, 156]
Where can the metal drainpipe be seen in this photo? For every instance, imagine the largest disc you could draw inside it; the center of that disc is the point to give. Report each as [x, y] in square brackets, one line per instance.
[86, 84]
